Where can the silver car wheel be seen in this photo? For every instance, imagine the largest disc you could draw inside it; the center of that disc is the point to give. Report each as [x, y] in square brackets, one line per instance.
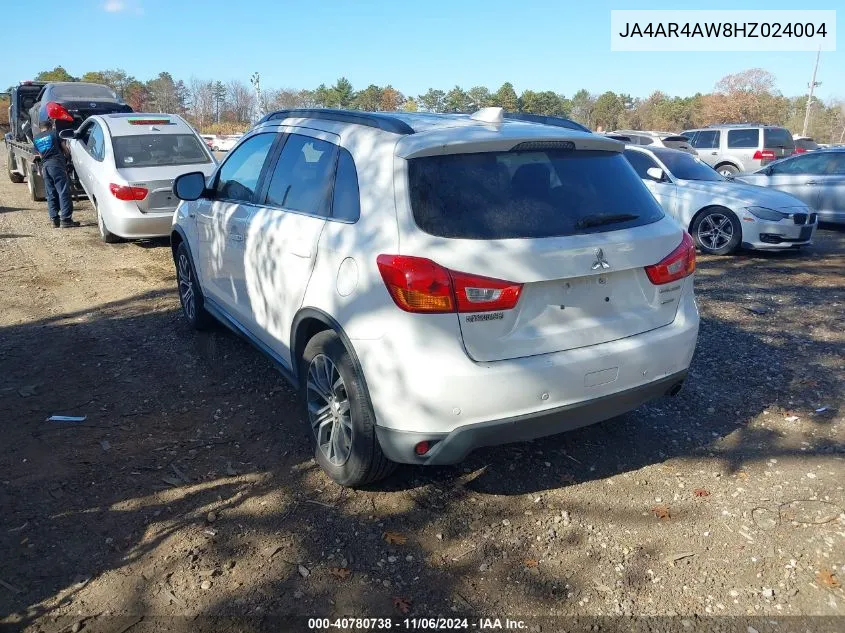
[726, 172]
[715, 231]
[186, 287]
[329, 410]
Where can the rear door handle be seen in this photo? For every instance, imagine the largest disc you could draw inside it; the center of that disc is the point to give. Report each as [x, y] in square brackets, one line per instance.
[301, 251]
[236, 237]
[812, 182]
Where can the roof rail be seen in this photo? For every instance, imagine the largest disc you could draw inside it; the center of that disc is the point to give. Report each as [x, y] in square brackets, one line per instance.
[745, 124]
[543, 119]
[370, 119]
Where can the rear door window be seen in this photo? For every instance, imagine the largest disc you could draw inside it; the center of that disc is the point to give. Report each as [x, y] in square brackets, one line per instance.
[527, 194]
[778, 137]
[302, 179]
[706, 139]
[748, 138]
[96, 142]
[804, 164]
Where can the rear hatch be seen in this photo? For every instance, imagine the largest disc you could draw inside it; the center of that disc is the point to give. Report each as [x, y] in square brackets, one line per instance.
[777, 143]
[153, 161]
[678, 142]
[568, 232]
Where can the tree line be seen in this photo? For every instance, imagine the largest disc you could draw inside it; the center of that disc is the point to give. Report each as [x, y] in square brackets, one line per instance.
[222, 107]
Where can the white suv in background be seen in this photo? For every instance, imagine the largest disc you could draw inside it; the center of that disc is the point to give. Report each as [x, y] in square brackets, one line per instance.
[437, 283]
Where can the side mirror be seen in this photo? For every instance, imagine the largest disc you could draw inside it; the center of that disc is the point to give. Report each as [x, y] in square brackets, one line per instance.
[189, 186]
[67, 135]
[655, 173]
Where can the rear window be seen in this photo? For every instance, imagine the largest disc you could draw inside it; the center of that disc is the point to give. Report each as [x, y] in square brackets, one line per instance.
[527, 194]
[744, 138]
[777, 137]
[158, 150]
[807, 144]
[81, 91]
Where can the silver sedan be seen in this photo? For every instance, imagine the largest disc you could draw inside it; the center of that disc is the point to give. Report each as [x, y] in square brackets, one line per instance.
[126, 163]
[721, 214]
[817, 178]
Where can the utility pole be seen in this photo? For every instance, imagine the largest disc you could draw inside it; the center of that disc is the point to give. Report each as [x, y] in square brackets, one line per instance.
[813, 84]
[255, 80]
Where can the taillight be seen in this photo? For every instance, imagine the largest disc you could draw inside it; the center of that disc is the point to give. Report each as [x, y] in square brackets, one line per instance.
[676, 265]
[125, 192]
[58, 112]
[417, 284]
[765, 154]
[799, 150]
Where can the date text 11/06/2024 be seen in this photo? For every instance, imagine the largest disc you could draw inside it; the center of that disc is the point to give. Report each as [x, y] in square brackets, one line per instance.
[430, 624]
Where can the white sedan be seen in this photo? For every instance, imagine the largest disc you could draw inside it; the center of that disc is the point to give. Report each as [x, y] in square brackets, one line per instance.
[126, 163]
[721, 214]
[225, 143]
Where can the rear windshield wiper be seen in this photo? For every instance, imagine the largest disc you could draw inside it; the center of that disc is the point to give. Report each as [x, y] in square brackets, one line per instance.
[600, 220]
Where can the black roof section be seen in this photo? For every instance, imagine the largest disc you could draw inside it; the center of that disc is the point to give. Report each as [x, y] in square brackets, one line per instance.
[370, 119]
[543, 119]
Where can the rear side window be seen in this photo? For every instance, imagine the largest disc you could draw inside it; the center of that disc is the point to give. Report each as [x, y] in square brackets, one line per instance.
[743, 138]
[96, 142]
[302, 178]
[777, 137]
[706, 139]
[690, 136]
[526, 194]
[346, 201]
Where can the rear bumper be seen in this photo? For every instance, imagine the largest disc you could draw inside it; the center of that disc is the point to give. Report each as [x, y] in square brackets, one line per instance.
[421, 381]
[453, 447]
[132, 224]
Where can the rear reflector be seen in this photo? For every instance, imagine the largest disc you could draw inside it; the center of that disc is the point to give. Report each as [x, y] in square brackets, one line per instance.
[676, 265]
[417, 284]
[765, 154]
[125, 192]
[57, 112]
[422, 448]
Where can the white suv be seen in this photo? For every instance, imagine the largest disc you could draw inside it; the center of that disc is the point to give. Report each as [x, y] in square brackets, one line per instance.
[437, 283]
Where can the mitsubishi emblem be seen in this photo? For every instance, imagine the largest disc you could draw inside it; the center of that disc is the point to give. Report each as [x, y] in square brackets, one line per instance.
[93, 105]
[601, 262]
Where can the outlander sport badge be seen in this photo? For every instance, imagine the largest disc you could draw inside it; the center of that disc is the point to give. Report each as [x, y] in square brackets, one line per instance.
[601, 262]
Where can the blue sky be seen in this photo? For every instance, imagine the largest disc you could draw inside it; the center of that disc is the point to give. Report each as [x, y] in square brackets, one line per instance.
[539, 45]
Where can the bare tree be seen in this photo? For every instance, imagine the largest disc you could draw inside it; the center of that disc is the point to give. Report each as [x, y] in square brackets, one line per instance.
[201, 94]
[241, 100]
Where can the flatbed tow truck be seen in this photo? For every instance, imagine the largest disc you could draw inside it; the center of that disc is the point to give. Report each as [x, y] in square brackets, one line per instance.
[22, 162]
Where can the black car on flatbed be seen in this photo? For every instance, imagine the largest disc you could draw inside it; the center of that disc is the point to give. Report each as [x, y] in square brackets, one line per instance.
[68, 104]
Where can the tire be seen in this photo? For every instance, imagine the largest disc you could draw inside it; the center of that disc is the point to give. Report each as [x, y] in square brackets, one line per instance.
[346, 446]
[215, 149]
[716, 231]
[187, 284]
[107, 236]
[727, 170]
[31, 184]
[13, 175]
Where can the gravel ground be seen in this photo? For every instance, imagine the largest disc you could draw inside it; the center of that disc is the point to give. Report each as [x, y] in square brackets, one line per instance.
[190, 487]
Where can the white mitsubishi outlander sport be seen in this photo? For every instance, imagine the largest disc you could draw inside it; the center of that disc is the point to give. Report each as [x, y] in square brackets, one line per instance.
[437, 283]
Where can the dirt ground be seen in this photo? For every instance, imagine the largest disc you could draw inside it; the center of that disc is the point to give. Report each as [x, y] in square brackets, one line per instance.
[190, 487]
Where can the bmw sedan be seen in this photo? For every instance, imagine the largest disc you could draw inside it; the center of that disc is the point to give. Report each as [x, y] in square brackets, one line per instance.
[126, 163]
[722, 215]
[817, 178]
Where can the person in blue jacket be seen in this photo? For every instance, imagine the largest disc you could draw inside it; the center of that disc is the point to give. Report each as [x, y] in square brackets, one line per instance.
[56, 180]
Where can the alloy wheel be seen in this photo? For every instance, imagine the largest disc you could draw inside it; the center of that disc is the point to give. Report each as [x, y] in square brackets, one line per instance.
[715, 231]
[186, 287]
[329, 411]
